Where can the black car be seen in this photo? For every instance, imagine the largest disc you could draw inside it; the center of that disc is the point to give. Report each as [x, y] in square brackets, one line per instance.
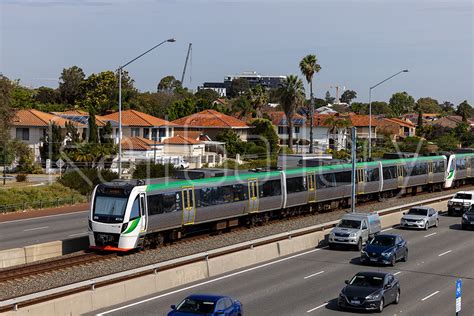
[467, 220]
[370, 291]
[385, 249]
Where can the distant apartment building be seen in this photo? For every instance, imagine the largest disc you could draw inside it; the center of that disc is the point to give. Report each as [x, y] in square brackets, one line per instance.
[253, 78]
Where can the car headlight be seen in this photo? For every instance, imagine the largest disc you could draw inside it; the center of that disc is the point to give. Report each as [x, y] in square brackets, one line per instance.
[373, 296]
[352, 235]
[386, 254]
[420, 221]
[467, 203]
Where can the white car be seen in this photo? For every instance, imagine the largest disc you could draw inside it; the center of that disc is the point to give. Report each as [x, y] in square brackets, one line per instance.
[460, 203]
[422, 217]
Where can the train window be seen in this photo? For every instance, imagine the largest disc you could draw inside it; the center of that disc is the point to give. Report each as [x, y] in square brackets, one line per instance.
[240, 192]
[205, 196]
[343, 178]
[270, 188]
[325, 181]
[162, 203]
[438, 166]
[389, 172]
[135, 212]
[296, 184]
[461, 164]
[373, 175]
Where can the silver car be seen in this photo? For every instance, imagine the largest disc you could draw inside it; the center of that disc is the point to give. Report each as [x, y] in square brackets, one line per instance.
[420, 217]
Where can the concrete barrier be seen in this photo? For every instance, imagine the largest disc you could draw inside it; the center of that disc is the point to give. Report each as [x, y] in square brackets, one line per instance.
[12, 257]
[43, 251]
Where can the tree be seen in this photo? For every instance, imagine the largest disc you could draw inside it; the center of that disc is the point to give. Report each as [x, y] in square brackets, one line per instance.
[100, 91]
[465, 110]
[242, 106]
[329, 99]
[419, 124]
[414, 144]
[427, 105]
[258, 97]
[106, 134]
[291, 96]
[181, 108]
[168, 84]
[401, 102]
[155, 104]
[207, 95]
[336, 126]
[360, 108]
[71, 85]
[447, 142]
[47, 95]
[447, 108]
[92, 125]
[72, 133]
[52, 143]
[21, 97]
[233, 144]
[6, 113]
[239, 87]
[265, 135]
[348, 95]
[309, 66]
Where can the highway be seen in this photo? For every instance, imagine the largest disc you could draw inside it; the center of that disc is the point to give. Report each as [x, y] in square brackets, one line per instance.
[23, 232]
[308, 283]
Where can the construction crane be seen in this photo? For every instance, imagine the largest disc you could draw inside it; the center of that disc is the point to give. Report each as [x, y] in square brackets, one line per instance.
[186, 62]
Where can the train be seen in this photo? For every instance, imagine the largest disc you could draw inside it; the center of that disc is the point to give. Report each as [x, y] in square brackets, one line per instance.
[135, 214]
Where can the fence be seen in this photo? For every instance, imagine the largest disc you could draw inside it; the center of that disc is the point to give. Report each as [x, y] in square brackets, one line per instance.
[5, 208]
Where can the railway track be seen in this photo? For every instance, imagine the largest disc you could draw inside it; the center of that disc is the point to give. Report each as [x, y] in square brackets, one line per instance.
[35, 270]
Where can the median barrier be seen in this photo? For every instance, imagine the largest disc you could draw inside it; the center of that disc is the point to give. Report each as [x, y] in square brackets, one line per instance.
[43, 251]
[12, 257]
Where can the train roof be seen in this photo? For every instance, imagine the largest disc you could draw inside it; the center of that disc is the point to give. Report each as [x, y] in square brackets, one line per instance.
[169, 183]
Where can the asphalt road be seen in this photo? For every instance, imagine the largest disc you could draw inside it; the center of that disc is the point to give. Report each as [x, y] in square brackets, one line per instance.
[309, 283]
[23, 232]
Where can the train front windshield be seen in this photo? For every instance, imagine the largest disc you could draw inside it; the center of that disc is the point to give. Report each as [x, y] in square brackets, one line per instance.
[109, 209]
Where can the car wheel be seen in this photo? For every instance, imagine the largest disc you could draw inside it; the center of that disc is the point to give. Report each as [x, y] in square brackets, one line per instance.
[397, 298]
[426, 226]
[393, 261]
[359, 244]
[405, 256]
[331, 246]
[380, 309]
[437, 222]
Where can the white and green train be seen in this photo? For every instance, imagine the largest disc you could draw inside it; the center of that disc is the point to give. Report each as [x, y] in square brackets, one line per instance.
[126, 215]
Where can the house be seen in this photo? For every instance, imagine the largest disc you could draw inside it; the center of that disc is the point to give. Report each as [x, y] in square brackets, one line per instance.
[139, 124]
[325, 110]
[451, 121]
[396, 128]
[211, 123]
[426, 117]
[280, 122]
[31, 126]
[362, 124]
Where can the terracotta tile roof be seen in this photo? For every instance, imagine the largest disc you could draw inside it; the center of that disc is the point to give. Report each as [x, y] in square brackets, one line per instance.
[210, 118]
[278, 118]
[32, 117]
[188, 134]
[136, 118]
[397, 121]
[72, 112]
[362, 120]
[180, 140]
[136, 143]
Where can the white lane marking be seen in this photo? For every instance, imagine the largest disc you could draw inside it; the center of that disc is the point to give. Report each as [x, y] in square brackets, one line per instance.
[386, 229]
[313, 309]
[78, 234]
[312, 275]
[37, 228]
[40, 217]
[444, 253]
[397, 273]
[430, 235]
[207, 282]
[432, 294]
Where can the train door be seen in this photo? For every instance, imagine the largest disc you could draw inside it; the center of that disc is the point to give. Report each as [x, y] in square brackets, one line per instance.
[143, 213]
[253, 195]
[360, 181]
[400, 174]
[311, 181]
[189, 209]
[430, 171]
[470, 167]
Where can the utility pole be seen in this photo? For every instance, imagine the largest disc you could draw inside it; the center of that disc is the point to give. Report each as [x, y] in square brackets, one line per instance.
[186, 63]
[354, 161]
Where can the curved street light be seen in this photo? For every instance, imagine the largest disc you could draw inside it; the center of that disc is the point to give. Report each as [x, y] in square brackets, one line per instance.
[120, 69]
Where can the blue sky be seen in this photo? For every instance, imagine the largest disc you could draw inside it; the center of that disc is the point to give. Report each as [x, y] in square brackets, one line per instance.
[358, 43]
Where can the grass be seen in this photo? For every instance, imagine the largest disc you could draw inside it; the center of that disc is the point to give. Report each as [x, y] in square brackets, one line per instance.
[14, 199]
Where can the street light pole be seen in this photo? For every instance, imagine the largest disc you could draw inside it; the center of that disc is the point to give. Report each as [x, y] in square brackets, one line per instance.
[370, 108]
[120, 70]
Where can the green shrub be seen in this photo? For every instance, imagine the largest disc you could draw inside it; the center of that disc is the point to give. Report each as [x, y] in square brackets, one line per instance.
[84, 180]
[21, 177]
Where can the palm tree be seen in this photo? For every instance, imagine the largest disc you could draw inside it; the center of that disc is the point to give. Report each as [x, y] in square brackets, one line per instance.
[308, 66]
[259, 98]
[335, 125]
[291, 95]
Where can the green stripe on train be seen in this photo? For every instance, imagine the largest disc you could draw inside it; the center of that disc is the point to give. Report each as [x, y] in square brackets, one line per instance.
[133, 225]
[244, 177]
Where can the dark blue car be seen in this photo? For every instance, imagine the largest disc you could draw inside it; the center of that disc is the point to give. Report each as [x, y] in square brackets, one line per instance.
[385, 249]
[207, 305]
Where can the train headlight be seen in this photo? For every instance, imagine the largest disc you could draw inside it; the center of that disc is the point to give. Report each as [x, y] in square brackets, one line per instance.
[124, 227]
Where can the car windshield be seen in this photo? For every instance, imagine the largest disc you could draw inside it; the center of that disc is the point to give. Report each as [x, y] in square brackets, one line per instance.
[367, 281]
[463, 196]
[196, 306]
[383, 241]
[417, 211]
[349, 223]
[110, 209]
